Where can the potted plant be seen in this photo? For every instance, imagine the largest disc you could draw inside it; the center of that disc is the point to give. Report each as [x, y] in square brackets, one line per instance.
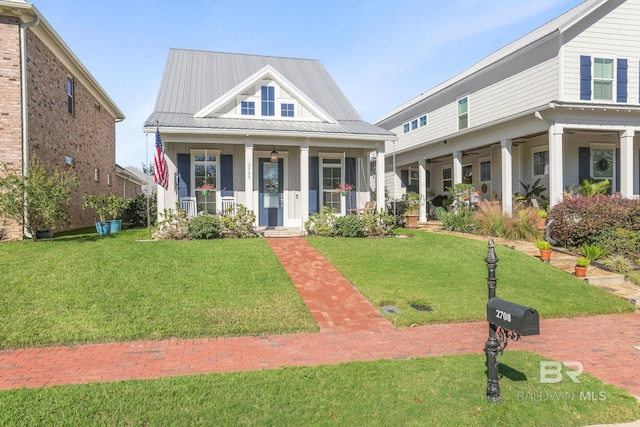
[542, 217]
[206, 186]
[344, 189]
[412, 209]
[100, 203]
[116, 206]
[581, 266]
[545, 249]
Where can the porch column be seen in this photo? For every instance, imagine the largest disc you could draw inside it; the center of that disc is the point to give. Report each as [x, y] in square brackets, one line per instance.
[380, 169]
[457, 167]
[422, 189]
[248, 176]
[304, 183]
[626, 162]
[507, 176]
[556, 181]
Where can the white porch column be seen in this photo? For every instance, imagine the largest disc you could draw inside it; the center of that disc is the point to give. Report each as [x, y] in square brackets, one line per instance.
[626, 162]
[507, 176]
[556, 180]
[457, 167]
[304, 183]
[248, 177]
[380, 169]
[422, 189]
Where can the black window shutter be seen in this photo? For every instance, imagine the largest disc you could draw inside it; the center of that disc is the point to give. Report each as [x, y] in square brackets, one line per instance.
[617, 172]
[184, 175]
[226, 175]
[314, 184]
[584, 166]
[585, 78]
[350, 178]
[622, 81]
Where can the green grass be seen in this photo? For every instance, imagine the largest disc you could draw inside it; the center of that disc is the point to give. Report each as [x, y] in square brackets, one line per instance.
[81, 288]
[449, 274]
[438, 391]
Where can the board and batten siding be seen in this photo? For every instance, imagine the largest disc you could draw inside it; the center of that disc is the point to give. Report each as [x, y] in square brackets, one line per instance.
[617, 35]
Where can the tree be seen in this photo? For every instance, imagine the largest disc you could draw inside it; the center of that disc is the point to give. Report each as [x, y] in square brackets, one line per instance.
[40, 197]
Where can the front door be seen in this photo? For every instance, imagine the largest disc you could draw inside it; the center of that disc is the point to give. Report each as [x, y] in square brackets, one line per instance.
[270, 195]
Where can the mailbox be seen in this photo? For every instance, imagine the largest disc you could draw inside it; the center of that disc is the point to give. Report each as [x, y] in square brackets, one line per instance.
[514, 317]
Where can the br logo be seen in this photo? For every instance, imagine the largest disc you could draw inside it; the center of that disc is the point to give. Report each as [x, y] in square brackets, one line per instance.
[551, 371]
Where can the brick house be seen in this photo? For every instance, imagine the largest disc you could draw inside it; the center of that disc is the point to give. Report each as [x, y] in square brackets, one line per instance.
[52, 108]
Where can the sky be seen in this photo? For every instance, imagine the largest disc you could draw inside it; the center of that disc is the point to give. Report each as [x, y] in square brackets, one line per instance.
[381, 53]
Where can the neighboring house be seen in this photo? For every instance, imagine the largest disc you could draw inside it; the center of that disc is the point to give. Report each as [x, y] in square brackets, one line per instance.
[129, 182]
[52, 107]
[561, 104]
[274, 134]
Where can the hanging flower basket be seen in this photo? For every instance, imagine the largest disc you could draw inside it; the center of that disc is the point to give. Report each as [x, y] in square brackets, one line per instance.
[344, 193]
[345, 188]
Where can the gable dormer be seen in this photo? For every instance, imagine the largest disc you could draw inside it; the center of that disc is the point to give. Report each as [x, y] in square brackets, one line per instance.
[266, 95]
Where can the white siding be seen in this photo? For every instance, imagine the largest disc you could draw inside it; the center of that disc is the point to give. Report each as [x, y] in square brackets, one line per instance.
[617, 34]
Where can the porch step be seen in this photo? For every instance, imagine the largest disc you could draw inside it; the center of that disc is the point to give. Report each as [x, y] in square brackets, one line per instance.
[281, 232]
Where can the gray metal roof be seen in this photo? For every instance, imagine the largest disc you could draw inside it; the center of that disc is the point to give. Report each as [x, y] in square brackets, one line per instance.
[194, 79]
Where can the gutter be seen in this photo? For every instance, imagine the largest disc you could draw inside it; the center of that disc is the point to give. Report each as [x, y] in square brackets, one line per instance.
[23, 102]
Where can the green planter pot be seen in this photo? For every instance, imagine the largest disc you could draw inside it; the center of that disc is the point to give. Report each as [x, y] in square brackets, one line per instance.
[116, 225]
[103, 228]
[205, 192]
[343, 193]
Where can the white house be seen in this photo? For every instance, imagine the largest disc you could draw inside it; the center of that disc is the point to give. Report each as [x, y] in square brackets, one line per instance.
[274, 134]
[561, 104]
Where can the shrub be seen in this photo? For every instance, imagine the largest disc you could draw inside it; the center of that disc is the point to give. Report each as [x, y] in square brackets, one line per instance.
[136, 213]
[580, 220]
[522, 225]
[349, 226]
[3, 234]
[172, 226]
[455, 221]
[240, 225]
[489, 220]
[321, 223]
[378, 224]
[593, 252]
[204, 227]
[621, 242]
[619, 263]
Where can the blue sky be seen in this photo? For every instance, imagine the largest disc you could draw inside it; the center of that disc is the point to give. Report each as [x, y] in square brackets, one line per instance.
[381, 53]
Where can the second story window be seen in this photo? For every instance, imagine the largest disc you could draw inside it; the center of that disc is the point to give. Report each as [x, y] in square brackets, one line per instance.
[603, 79]
[268, 101]
[463, 113]
[70, 96]
[248, 108]
[414, 124]
[423, 121]
[287, 110]
[406, 127]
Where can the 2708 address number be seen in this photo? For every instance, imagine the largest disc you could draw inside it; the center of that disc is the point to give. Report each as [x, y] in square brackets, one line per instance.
[503, 315]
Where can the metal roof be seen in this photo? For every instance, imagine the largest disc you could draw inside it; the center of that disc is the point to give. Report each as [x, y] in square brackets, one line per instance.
[194, 79]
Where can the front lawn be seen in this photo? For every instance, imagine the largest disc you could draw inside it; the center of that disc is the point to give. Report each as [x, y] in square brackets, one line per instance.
[436, 391]
[81, 288]
[449, 275]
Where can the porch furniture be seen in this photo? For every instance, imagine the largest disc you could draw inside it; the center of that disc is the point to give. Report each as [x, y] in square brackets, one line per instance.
[369, 208]
[188, 204]
[228, 205]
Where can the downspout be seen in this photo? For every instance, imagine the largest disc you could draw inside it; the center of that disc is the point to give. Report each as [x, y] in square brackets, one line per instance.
[24, 112]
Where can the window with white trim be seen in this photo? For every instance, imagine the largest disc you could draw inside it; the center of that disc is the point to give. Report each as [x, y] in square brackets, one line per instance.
[71, 107]
[286, 110]
[602, 164]
[541, 162]
[414, 124]
[406, 127]
[331, 173]
[603, 79]
[268, 100]
[446, 179]
[467, 174]
[247, 108]
[485, 171]
[423, 120]
[204, 178]
[463, 113]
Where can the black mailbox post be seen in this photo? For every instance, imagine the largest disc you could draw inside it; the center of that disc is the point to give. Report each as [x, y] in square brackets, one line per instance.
[507, 320]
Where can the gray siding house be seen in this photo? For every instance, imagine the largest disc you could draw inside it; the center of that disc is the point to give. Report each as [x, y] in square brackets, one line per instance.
[274, 134]
[561, 104]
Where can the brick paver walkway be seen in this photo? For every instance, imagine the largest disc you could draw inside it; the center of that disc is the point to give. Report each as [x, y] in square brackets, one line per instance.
[351, 330]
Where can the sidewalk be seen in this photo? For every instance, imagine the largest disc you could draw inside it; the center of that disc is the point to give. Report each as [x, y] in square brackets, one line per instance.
[351, 330]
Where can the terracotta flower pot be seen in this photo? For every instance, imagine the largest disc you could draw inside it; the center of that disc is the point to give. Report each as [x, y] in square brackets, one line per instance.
[580, 271]
[545, 254]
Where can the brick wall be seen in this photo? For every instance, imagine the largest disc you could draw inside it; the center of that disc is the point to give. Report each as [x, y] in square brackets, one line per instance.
[10, 106]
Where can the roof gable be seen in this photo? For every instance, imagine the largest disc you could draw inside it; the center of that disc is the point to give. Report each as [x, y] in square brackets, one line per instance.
[248, 87]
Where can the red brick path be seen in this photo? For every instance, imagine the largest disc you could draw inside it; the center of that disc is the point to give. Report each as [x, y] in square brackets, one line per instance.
[351, 331]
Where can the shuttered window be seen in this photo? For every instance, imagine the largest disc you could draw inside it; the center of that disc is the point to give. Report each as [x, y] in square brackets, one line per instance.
[603, 79]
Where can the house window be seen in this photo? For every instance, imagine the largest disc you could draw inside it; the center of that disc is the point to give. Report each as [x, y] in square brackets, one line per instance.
[603, 79]
[485, 171]
[406, 127]
[205, 179]
[428, 178]
[268, 101]
[414, 181]
[286, 110]
[602, 164]
[414, 124]
[70, 95]
[463, 113]
[423, 121]
[96, 175]
[108, 179]
[540, 163]
[446, 179]
[331, 175]
[467, 174]
[248, 108]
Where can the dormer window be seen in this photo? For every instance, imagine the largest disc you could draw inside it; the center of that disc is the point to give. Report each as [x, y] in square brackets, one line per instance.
[248, 108]
[268, 100]
[287, 110]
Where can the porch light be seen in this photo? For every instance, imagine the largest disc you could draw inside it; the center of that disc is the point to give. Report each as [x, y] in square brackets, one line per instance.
[274, 156]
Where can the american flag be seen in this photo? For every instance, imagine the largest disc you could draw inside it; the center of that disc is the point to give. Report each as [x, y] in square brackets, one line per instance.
[160, 174]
